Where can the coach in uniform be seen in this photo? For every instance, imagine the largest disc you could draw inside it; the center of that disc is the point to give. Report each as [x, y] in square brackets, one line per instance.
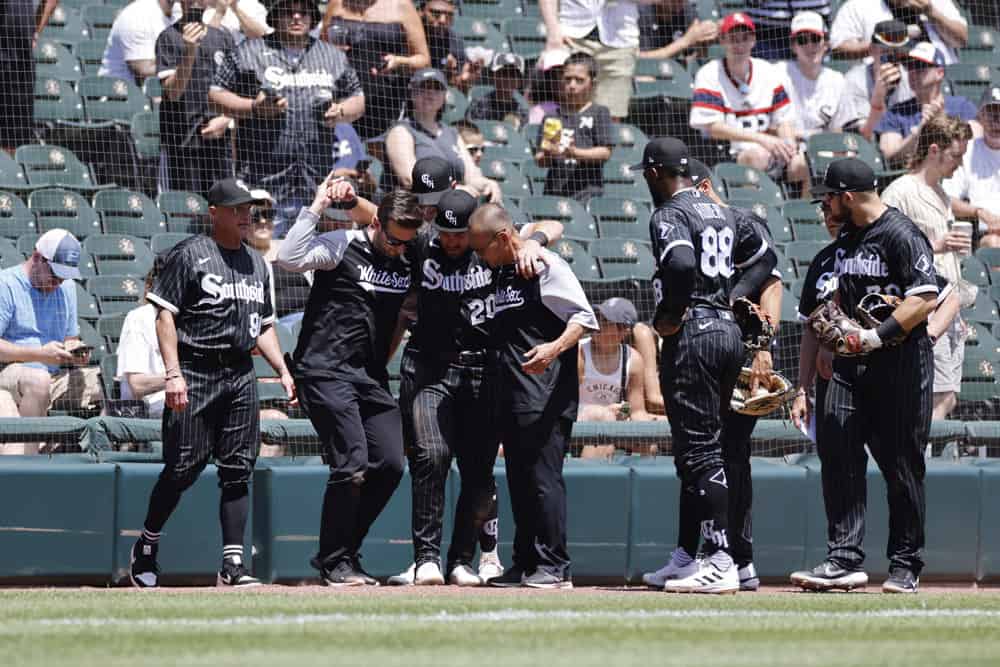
[695, 242]
[882, 398]
[539, 323]
[360, 280]
[213, 306]
[287, 91]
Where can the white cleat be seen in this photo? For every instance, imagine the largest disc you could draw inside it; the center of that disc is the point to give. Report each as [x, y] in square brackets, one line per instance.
[674, 569]
[462, 575]
[429, 574]
[710, 578]
[404, 578]
[749, 581]
[490, 566]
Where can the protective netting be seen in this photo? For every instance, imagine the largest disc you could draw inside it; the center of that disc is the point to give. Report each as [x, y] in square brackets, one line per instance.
[113, 129]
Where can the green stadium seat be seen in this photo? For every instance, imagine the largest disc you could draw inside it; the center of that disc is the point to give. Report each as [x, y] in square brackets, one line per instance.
[111, 99]
[512, 181]
[981, 38]
[286, 339]
[161, 243]
[981, 337]
[979, 380]
[54, 61]
[91, 53]
[116, 294]
[620, 181]
[500, 133]
[735, 176]
[976, 272]
[801, 210]
[52, 165]
[64, 209]
[262, 369]
[26, 243]
[620, 218]
[87, 307]
[983, 310]
[477, 32]
[100, 18]
[662, 78]
[571, 213]
[628, 154]
[496, 11]
[56, 103]
[536, 176]
[526, 36]
[969, 79]
[118, 254]
[89, 335]
[128, 212]
[805, 231]
[455, 104]
[15, 217]
[9, 254]
[517, 156]
[109, 366]
[186, 212]
[801, 254]
[623, 258]
[628, 136]
[990, 257]
[575, 254]
[153, 89]
[66, 26]
[777, 224]
[110, 329]
[825, 147]
[12, 174]
[145, 128]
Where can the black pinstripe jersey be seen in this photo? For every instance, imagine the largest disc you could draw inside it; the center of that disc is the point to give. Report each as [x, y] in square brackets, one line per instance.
[889, 256]
[220, 298]
[722, 243]
[817, 286]
[745, 216]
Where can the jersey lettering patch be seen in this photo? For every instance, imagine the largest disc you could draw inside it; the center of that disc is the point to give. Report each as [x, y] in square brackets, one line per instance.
[476, 278]
[383, 281]
[218, 290]
[860, 265]
[281, 80]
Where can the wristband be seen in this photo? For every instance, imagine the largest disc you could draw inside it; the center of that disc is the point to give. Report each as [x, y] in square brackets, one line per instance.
[890, 329]
[540, 237]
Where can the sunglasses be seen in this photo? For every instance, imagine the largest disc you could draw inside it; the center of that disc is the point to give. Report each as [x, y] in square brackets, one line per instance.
[810, 38]
[475, 148]
[396, 242]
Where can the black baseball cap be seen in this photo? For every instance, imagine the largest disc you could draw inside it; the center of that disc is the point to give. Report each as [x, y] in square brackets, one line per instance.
[892, 35]
[432, 177]
[275, 6]
[846, 175]
[454, 209]
[699, 171]
[233, 192]
[424, 76]
[505, 59]
[665, 152]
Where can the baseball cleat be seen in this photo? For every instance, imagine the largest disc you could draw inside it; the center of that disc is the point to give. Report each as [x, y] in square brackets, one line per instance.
[343, 574]
[542, 579]
[901, 580]
[490, 566]
[234, 574]
[404, 578]
[428, 574]
[143, 571]
[749, 581]
[679, 566]
[462, 575]
[710, 578]
[512, 578]
[829, 576]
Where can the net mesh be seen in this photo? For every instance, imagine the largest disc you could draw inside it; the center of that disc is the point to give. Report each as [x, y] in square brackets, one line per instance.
[93, 145]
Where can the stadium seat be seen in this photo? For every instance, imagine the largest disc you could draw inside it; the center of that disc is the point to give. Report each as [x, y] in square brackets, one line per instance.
[536, 177]
[736, 176]
[116, 294]
[110, 329]
[511, 178]
[801, 210]
[9, 255]
[976, 272]
[623, 258]
[662, 78]
[153, 89]
[983, 310]
[186, 212]
[56, 103]
[66, 26]
[262, 369]
[64, 209]
[969, 79]
[575, 254]
[526, 36]
[26, 243]
[777, 224]
[109, 366]
[55, 166]
[89, 335]
[620, 218]
[455, 104]
[54, 61]
[620, 181]
[990, 257]
[111, 99]
[979, 380]
[805, 231]
[12, 174]
[128, 212]
[100, 18]
[15, 217]
[161, 243]
[801, 253]
[825, 147]
[623, 134]
[571, 213]
[118, 254]
[91, 53]
[86, 304]
[981, 337]
[286, 339]
[145, 128]
[517, 156]
[500, 133]
[495, 11]
[477, 32]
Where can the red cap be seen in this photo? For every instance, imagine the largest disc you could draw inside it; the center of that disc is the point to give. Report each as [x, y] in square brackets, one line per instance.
[737, 20]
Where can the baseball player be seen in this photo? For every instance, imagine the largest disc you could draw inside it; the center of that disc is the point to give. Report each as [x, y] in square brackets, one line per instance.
[881, 395]
[213, 306]
[539, 322]
[360, 280]
[694, 240]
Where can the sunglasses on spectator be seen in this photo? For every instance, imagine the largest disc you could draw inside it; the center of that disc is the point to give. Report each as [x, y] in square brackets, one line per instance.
[442, 13]
[808, 38]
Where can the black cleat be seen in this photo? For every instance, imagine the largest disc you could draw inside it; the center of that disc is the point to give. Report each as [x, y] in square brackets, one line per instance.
[342, 574]
[542, 579]
[512, 578]
[901, 580]
[369, 579]
[234, 574]
[829, 576]
[143, 571]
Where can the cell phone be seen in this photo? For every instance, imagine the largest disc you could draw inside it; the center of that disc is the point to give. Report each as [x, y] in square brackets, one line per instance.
[81, 351]
[192, 15]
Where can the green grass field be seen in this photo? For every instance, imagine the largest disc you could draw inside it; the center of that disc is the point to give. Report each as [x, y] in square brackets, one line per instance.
[305, 626]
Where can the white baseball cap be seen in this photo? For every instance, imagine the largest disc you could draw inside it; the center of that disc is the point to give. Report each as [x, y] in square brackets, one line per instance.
[808, 22]
[927, 53]
[62, 251]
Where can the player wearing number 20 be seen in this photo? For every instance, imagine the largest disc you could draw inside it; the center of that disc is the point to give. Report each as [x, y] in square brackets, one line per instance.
[699, 246]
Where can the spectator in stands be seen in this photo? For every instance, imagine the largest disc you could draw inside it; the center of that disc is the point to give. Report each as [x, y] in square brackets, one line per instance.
[285, 120]
[546, 84]
[975, 186]
[940, 146]
[647, 342]
[900, 126]
[877, 82]
[815, 90]
[474, 140]
[351, 160]
[575, 144]
[20, 25]
[140, 370]
[742, 100]
[773, 19]
[669, 29]
[242, 19]
[936, 21]
[609, 32]
[46, 364]
[194, 140]
[447, 48]
[131, 50]
[499, 104]
[422, 134]
[385, 43]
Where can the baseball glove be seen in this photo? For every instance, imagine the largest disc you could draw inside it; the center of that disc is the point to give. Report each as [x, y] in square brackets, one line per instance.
[754, 323]
[776, 392]
[874, 309]
[837, 332]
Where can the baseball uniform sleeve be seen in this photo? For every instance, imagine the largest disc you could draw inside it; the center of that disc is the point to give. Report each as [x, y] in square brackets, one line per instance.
[348, 85]
[303, 250]
[913, 256]
[750, 243]
[814, 282]
[708, 106]
[669, 232]
[562, 294]
[168, 53]
[173, 282]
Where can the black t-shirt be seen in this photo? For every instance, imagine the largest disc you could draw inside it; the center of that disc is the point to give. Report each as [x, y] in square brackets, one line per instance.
[745, 218]
[444, 43]
[181, 119]
[220, 298]
[491, 107]
[722, 243]
[589, 128]
[658, 28]
[817, 288]
[455, 299]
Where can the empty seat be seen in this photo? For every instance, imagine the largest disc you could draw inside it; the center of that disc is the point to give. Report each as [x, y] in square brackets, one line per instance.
[575, 254]
[623, 258]
[118, 254]
[161, 243]
[108, 99]
[571, 213]
[619, 217]
[128, 212]
[54, 61]
[116, 294]
[186, 212]
[54, 165]
[15, 217]
[64, 209]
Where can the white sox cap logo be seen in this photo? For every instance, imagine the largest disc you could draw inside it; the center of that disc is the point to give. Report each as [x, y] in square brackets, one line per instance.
[427, 180]
[450, 216]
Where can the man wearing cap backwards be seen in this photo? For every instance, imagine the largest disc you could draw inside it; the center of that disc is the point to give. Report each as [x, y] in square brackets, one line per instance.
[39, 333]
[937, 21]
[743, 100]
[213, 301]
[539, 321]
[882, 397]
[287, 91]
[975, 186]
[699, 245]
[815, 90]
[900, 126]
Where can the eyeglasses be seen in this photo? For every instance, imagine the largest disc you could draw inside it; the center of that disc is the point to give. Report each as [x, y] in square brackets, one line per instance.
[475, 148]
[442, 13]
[396, 242]
[809, 38]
